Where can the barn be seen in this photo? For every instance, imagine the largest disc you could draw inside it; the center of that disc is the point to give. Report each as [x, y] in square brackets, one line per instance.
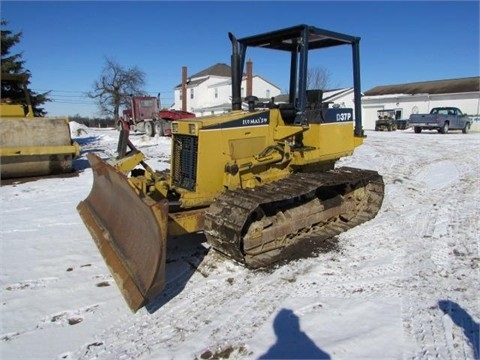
[421, 97]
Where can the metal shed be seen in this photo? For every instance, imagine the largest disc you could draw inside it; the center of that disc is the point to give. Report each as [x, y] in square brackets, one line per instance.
[420, 97]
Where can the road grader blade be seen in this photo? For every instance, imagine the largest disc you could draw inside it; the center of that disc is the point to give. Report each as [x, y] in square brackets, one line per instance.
[130, 232]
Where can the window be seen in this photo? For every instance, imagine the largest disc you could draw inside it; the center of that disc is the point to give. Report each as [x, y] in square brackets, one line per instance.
[268, 94]
[146, 103]
[243, 92]
[191, 93]
[216, 93]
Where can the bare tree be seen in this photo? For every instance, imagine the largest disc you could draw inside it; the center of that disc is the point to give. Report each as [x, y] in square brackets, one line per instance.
[318, 78]
[115, 86]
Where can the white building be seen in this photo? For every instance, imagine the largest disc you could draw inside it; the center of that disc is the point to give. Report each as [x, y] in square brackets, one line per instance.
[335, 98]
[209, 91]
[342, 98]
[421, 97]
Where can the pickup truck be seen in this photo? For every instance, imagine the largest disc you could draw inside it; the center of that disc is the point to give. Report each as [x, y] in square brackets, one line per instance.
[441, 119]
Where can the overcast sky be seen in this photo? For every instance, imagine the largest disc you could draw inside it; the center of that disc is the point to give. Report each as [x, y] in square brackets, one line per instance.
[65, 43]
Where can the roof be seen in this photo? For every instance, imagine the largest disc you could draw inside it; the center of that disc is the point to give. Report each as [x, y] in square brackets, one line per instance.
[219, 69]
[449, 86]
[229, 81]
[330, 94]
[327, 95]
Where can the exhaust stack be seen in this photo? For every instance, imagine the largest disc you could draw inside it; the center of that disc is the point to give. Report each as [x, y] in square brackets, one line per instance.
[236, 74]
[249, 77]
[184, 88]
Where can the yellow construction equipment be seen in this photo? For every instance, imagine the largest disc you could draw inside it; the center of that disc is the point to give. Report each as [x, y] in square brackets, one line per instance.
[260, 183]
[32, 146]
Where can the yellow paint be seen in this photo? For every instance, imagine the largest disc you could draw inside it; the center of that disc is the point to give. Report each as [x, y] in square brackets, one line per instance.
[15, 111]
[128, 163]
[39, 150]
[185, 222]
[231, 155]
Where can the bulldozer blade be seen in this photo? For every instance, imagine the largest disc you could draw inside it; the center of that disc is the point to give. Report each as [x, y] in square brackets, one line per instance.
[130, 231]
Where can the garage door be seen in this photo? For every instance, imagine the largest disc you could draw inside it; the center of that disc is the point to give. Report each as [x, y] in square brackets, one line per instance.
[369, 116]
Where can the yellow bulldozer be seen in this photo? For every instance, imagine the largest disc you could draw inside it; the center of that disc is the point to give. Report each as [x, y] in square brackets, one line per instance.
[29, 145]
[259, 181]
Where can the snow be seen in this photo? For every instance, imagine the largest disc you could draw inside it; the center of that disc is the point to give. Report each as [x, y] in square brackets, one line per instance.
[403, 285]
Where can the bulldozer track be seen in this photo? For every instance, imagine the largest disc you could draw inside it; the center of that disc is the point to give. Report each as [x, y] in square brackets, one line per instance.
[297, 214]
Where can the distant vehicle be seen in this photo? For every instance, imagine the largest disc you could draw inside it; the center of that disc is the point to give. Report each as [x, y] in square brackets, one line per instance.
[144, 115]
[402, 124]
[386, 120]
[441, 119]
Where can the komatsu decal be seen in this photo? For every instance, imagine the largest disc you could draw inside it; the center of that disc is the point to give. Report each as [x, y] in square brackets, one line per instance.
[257, 119]
[261, 120]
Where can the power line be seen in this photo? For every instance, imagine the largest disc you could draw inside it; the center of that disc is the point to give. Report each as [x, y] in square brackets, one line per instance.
[70, 96]
[77, 97]
[86, 101]
[73, 102]
[64, 91]
[153, 93]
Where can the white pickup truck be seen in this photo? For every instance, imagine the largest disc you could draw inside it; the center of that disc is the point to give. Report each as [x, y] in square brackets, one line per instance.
[441, 119]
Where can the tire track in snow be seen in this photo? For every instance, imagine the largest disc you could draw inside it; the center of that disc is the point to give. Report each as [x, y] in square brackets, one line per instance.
[168, 326]
[253, 308]
[175, 324]
[436, 231]
[430, 244]
[436, 239]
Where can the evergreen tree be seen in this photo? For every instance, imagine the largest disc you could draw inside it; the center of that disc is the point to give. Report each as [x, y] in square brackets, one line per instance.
[14, 64]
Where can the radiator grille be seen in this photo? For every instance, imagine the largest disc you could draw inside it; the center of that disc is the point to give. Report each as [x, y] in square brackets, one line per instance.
[184, 161]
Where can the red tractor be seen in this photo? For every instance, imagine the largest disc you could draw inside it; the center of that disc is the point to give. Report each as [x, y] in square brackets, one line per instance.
[144, 115]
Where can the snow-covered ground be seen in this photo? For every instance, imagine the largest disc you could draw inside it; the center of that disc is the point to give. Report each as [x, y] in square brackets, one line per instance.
[405, 285]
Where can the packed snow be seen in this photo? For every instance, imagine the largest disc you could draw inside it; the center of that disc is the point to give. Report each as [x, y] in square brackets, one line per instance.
[404, 285]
